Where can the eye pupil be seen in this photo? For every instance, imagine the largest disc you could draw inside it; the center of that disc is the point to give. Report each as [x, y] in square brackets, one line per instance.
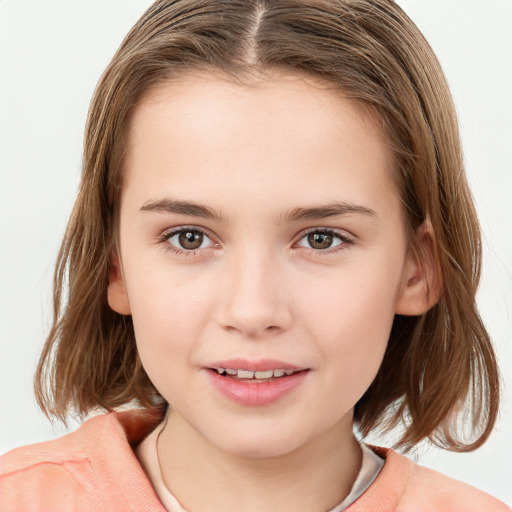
[190, 239]
[320, 240]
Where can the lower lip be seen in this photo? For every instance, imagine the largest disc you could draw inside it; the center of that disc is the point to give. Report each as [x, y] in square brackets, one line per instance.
[257, 393]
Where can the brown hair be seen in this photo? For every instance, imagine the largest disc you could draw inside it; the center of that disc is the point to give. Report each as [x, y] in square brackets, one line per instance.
[438, 367]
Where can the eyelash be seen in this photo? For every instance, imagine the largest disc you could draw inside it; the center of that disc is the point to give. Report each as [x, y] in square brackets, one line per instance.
[168, 246]
[343, 238]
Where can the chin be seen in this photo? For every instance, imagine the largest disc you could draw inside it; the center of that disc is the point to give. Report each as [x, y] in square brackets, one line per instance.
[259, 443]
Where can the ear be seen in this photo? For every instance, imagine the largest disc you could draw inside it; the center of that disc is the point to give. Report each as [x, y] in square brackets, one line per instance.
[116, 292]
[421, 280]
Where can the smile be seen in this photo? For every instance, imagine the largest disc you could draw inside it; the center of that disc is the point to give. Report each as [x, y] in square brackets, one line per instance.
[256, 387]
[262, 376]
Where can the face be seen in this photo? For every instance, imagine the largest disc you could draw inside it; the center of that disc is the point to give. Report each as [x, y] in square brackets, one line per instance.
[262, 257]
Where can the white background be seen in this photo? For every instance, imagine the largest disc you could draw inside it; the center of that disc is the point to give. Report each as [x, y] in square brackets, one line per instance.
[51, 56]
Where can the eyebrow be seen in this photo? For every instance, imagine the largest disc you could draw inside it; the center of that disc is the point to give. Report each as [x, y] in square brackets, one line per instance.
[181, 208]
[310, 213]
[330, 210]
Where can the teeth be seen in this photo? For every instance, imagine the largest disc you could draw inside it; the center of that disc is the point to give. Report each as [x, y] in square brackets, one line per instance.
[247, 374]
[264, 375]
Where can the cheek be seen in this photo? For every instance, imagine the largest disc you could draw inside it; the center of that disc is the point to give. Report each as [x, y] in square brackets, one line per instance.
[162, 297]
[169, 313]
[351, 319]
[352, 300]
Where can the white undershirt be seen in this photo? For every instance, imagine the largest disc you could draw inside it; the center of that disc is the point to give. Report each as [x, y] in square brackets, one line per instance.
[147, 454]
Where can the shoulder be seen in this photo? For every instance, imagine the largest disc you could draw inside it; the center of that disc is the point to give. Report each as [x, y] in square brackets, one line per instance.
[404, 486]
[441, 492]
[92, 468]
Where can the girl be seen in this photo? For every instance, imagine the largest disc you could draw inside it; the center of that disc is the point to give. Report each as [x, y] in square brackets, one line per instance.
[273, 242]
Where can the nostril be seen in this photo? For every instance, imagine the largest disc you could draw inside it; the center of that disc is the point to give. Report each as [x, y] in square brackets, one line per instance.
[253, 330]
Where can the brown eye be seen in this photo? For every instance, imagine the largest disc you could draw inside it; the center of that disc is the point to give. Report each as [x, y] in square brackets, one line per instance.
[188, 239]
[320, 240]
[323, 239]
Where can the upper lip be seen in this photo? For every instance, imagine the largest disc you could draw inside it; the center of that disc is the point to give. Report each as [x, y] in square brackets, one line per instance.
[255, 366]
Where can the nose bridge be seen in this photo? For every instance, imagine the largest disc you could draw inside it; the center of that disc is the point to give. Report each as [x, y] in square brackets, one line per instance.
[256, 301]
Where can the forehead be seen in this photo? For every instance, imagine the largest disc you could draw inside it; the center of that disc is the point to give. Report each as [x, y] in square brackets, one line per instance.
[207, 129]
[283, 95]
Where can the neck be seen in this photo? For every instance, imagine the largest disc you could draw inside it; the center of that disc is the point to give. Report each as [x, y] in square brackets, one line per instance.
[315, 476]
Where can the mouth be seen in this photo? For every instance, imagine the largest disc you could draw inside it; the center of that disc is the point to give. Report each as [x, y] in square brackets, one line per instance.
[256, 383]
[259, 376]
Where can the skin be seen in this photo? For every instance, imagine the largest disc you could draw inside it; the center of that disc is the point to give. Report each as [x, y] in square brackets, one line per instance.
[256, 287]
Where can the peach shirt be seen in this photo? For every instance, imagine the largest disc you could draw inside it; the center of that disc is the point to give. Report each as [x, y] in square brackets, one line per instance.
[95, 469]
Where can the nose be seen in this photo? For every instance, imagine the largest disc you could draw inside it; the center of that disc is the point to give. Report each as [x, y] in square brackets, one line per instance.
[255, 301]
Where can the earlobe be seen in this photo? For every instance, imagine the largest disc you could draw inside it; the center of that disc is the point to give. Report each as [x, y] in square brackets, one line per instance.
[421, 282]
[116, 292]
